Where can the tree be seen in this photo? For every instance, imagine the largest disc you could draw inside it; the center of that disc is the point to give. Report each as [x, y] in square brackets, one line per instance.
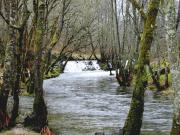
[134, 119]
[17, 43]
[18, 62]
[178, 17]
[7, 76]
[38, 119]
[172, 39]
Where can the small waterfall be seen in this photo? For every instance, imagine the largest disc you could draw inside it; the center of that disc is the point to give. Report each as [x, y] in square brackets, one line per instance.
[80, 66]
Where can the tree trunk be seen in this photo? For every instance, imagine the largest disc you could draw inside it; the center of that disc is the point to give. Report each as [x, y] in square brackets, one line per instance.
[134, 119]
[172, 40]
[166, 84]
[8, 77]
[39, 116]
[178, 17]
[155, 78]
[17, 81]
[117, 25]
[18, 52]
[173, 48]
[39, 106]
[176, 118]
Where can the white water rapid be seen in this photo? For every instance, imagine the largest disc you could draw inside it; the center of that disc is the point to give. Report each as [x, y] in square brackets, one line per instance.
[80, 66]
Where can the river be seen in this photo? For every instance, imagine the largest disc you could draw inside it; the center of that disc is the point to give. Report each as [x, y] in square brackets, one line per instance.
[82, 103]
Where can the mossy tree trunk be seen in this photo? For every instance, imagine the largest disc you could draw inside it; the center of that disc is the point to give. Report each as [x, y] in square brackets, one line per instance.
[7, 85]
[8, 74]
[173, 43]
[39, 116]
[39, 106]
[13, 65]
[18, 70]
[134, 119]
[175, 130]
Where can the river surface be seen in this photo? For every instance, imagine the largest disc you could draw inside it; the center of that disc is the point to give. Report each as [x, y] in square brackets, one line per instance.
[87, 102]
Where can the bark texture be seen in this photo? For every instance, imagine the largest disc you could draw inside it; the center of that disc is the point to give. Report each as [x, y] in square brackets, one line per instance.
[8, 74]
[38, 119]
[172, 39]
[134, 119]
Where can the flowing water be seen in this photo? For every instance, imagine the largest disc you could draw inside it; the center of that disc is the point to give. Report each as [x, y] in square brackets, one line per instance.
[85, 102]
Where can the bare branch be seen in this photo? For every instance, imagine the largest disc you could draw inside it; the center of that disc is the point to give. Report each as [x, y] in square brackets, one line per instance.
[8, 22]
[139, 8]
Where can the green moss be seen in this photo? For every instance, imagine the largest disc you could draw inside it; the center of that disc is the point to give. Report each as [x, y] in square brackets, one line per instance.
[149, 77]
[54, 39]
[103, 66]
[25, 93]
[151, 87]
[54, 73]
[162, 79]
[134, 119]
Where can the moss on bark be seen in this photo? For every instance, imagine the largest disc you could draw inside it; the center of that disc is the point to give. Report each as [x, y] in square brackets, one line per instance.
[38, 119]
[134, 119]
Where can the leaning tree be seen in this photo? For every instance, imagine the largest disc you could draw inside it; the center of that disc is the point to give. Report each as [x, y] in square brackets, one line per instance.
[134, 119]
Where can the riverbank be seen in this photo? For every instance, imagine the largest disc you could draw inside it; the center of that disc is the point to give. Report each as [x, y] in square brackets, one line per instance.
[81, 103]
[19, 130]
